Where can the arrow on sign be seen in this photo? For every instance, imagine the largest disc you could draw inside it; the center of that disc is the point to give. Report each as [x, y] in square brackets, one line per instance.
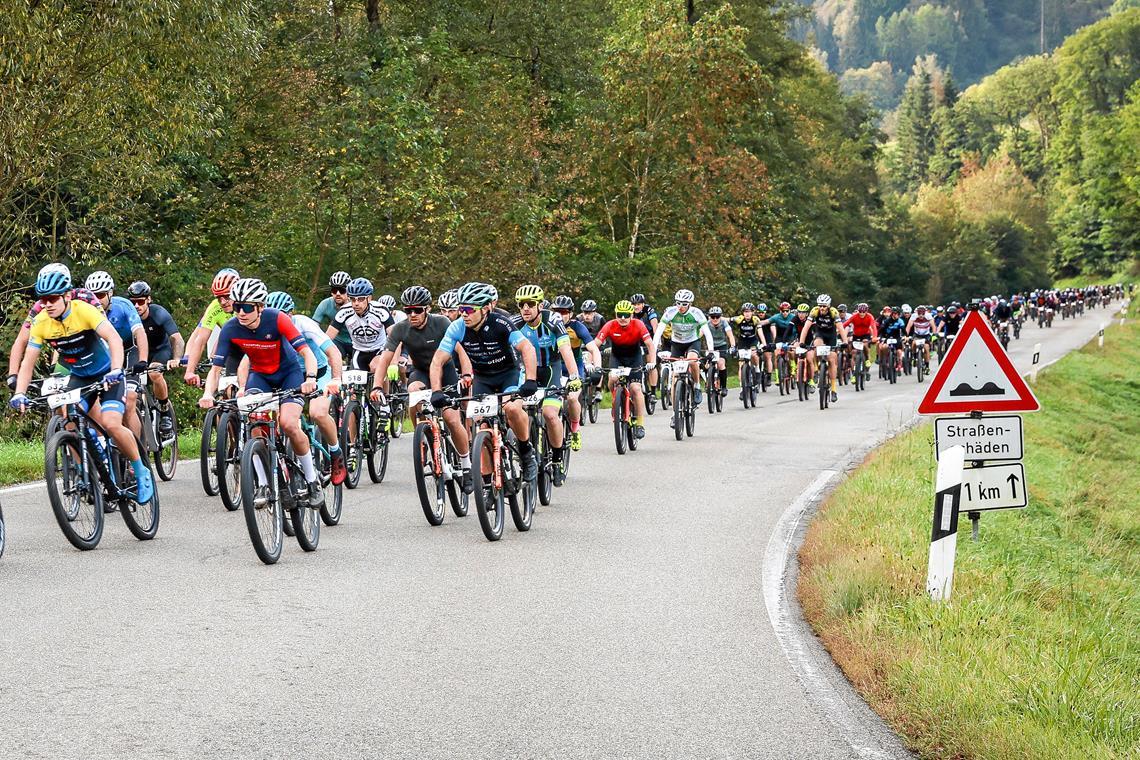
[1013, 480]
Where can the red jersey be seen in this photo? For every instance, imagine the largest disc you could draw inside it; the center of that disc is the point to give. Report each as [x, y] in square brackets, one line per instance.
[626, 339]
[862, 324]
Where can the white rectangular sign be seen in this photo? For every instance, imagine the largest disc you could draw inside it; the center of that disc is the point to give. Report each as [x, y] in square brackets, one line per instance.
[999, 486]
[984, 438]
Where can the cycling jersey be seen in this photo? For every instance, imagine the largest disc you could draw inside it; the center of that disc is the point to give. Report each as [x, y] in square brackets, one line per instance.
[952, 324]
[627, 340]
[921, 326]
[579, 335]
[646, 317]
[421, 344]
[271, 347]
[315, 339]
[592, 321]
[784, 327]
[862, 325]
[795, 328]
[74, 336]
[893, 328]
[125, 319]
[824, 320]
[720, 332]
[159, 326]
[546, 337]
[79, 294]
[324, 316]
[214, 316]
[1002, 313]
[686, 326]
[491, 348]
[368, 330]
[747, 330]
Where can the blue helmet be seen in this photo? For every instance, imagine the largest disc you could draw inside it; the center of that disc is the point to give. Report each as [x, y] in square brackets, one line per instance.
[361, 286]
[280, 300]
[53, 280]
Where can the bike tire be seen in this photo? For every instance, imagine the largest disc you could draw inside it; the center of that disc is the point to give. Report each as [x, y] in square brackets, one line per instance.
[208, 452]
[73, 497]
[522, 504]
[593, 406]
[459, 499]
[617, 410]
[351, 443]
[429, 481]
[141, 519]
[266, 524]
[690, 419]
[396, 421]
[679, 410]
[166, 458]
[711, 391]
[488, 499]
[650, 402]
[378, 462]
[229, 460]
[545, 460]
[330, 514]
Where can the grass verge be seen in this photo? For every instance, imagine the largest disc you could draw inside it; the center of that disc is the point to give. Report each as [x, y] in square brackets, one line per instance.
[1036, 655]
[21, 461]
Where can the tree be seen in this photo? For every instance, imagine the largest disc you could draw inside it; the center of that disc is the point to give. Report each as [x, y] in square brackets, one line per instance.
[915, 132]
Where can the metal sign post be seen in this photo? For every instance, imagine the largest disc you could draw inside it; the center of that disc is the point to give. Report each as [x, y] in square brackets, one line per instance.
[944, 535]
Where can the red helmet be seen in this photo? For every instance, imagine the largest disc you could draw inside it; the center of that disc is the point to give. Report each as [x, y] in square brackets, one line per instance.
[223, 281]
[784, 305]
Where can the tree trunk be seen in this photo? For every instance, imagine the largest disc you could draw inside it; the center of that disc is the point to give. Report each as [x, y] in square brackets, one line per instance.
[372, 10]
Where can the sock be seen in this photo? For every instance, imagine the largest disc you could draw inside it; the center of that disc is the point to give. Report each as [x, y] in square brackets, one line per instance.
[575, 425]
[306, 461]
[334, 449]
[163, 404]
[465, 461]
[638, 421]
[724, 378]
[525, 447]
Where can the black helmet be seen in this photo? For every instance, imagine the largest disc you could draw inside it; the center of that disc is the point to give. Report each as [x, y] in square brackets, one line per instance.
[637, 298]
[138, 289]
[563, 302]
[416, 295]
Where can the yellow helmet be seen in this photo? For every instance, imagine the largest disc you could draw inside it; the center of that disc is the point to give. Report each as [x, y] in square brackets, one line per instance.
[529, 293]
[623, 307]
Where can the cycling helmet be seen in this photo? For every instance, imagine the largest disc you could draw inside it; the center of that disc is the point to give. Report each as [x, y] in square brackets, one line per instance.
[823, 300]
[623, 307]
[842, 307]
[906, 308]
[863, 307]
[494, 292]
[53, 280]
[894, 310]
[804, 308]
[387, 301]
[715, 311]
[684, 296]
[563, 302]
[138, 289]
[280, 300]
[747, 306]
[1002, 302]
[223, 281]
[589, 305]
[476, 294]
[99, 282]
[784, 305]
[921, 309]
[940, 309]
[249, 290]
[417, 295]
[761, 306]
[637, 298]
[361, 286]
[529, 293]
[449, 299]
[339, 280]
[952, 310]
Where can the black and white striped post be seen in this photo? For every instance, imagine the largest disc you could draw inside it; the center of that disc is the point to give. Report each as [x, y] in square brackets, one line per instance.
[944, 536]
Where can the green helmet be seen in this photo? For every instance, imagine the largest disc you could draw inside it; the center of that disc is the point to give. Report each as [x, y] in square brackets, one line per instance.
[476, 294]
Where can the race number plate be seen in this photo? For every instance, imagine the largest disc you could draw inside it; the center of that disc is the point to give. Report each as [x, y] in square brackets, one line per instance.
[227, 382]
[892, 342]
[483, 407]
[857, 345]
[535, 398]
[800, 350]
[822, 351]
[355, 377]
[419, 397]
[679, 367]
[744, 354]
[56, 400]
[620, 372]
[261, 402]
[53, 385]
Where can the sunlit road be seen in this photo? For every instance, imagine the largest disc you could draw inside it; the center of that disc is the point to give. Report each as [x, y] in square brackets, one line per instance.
[628, 623]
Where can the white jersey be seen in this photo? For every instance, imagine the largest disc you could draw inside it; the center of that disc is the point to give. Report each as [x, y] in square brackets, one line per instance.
[687, 327]
[369, 330]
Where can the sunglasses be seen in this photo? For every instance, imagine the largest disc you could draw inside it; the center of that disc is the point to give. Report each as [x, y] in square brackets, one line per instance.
[467, 309]
[624, 316]
[562, 311]
[138, 301]
[338, 291]
[528, 304]
[225, 299]
[411, 310]
[51, 299]
[245, 308]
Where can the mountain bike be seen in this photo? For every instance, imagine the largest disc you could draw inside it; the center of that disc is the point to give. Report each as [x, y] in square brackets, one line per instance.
[592, 396]
[921, 363]
[501, 482]
[803, 390]
[748, 377]
[85, 472]
[398, 407]
[823, 375]
[544, 451]
[713, 395]
[436, 464]
[363, 429]
[208, 448]
[1003, 334]
[664, 377]
[890, 361]
[272, 480]
[785, 369]
[859, 364]
[684, 397]
[333, 505]
[621, 411]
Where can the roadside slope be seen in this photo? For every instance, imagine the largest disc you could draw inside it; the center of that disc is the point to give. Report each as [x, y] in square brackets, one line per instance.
[1036, 654]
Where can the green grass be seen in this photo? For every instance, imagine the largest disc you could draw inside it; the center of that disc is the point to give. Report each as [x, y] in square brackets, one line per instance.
[21, 461]
[1126, 273]
[1036, 655]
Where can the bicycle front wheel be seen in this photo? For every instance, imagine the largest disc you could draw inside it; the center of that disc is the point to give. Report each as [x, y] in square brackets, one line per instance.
[264, 517]
[351, 443]
[679, 400]
[429, 480]
[208, 453]
[75, 495]
[617, 413]
[229, 460]
[488, 498]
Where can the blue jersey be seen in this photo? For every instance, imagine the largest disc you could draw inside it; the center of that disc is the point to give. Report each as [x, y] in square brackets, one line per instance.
[546, 337]
[317, 340]
[491, 348]
[124, 318]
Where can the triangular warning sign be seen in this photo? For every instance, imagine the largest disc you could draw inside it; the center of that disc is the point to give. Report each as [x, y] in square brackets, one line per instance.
[977, 376]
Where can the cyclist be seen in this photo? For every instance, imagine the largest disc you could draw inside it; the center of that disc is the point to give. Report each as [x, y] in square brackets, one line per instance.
[921, 326]
[366, 323]
[863, 327]
[689, 323]
[824, 322]
[326, 310]
[794, 333]
[893, 327]
[88, 344]
[449, 305]
[953, 321]
[389, 303]
[420, 336]
[329, 368]
[590, 316]
[164, 341]
[214, 317]
[647, 315]
[21, 343]
[1001, 313]
[723, 342]
[750, 335]
[271, 342]
[783, 330]
[581, 340]
[552, 347]
[123, 317]
[629, 336]
[491, 342]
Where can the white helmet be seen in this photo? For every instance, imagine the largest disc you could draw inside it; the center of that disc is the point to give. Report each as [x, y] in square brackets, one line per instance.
[55, 268]
[823, 300]
[684, 296]
[99, 282]
[249, 290]
[906, 308]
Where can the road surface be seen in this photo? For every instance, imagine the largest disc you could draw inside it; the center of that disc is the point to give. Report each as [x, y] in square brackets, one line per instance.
[629, 623]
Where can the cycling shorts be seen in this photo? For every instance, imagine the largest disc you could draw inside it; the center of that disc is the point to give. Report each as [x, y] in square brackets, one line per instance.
[363, 359]
[507, 381]
[743, 343]
[549, 377]
[826, 338]
[635, 362]
[450, 376]
[109, 397]
[681, 350]
[283, 379]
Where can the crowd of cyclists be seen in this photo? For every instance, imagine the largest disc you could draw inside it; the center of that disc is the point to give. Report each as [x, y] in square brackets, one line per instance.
[497, 396]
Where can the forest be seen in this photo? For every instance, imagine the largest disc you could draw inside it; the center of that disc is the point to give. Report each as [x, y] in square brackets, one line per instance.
[597, 147]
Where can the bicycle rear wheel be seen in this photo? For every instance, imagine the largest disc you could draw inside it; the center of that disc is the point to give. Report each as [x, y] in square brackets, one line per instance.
[208, 452]
[429, 480]
[545, 460]
[617, 410]
[229, 459]
[141, 519]
[264, 517]
[75, 495]
[378, 454]
[333, 506]
[166, 458]
[306, 520]
[488, 498]
[679, 400]
[522, 502]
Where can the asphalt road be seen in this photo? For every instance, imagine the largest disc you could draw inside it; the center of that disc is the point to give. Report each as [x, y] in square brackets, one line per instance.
[630, 622]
